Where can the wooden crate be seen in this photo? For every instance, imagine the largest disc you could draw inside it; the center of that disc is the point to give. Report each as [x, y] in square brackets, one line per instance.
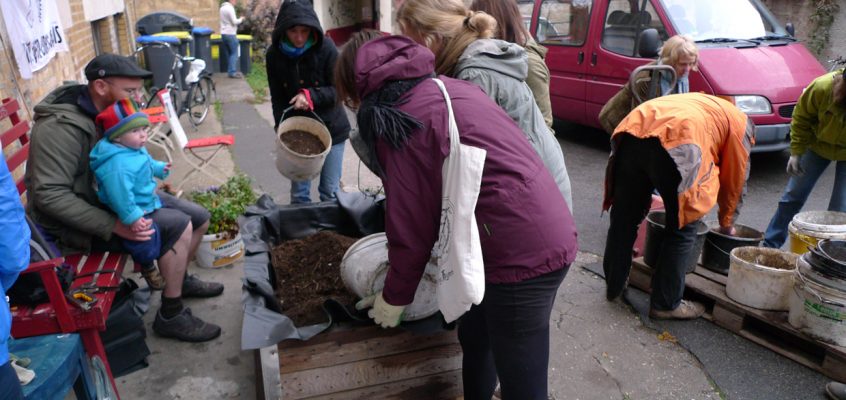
[373, 363]
[769, 329]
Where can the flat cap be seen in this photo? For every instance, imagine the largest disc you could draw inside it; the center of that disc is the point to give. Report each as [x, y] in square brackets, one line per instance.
[106, 65]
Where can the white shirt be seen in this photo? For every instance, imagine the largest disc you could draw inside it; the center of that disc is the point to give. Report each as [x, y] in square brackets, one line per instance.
[228, 21]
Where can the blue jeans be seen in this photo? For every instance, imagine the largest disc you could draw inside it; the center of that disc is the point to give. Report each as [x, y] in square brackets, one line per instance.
[10, 387]
[330, 178]
[797, 191]
[231, 42]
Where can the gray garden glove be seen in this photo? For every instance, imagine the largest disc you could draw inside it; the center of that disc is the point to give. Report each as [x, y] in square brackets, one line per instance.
[794, 166]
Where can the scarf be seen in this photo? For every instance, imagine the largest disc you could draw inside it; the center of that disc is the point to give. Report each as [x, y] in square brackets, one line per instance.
[289, 50]
[378, 117]
[682, 83]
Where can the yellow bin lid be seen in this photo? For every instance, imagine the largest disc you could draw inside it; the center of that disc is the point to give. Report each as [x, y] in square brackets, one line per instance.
[245, 37]
[182, 35]
[215, 36]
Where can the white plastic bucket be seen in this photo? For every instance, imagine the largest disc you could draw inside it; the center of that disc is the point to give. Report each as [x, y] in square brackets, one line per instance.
[761, 278]
[296, 166]
[816, 309]
[219, 250]
[809, 227]
[363, 271]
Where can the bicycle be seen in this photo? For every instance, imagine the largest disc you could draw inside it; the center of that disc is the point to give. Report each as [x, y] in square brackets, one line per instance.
[200, 87]
[836, 63]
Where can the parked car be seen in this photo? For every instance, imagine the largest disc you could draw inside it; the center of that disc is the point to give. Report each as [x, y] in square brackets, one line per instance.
[746, 55]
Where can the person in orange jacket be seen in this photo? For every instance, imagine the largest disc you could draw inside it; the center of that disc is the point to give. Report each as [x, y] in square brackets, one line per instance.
[694, 149]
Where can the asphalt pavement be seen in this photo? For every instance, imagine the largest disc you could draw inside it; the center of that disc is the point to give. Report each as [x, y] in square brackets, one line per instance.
[738, 367]
[599, 350]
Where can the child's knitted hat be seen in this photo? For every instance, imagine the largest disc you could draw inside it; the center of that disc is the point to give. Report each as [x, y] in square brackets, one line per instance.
[121, 117]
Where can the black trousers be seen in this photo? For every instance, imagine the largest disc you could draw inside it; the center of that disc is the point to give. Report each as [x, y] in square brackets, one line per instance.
[640, 167]
[507, 336]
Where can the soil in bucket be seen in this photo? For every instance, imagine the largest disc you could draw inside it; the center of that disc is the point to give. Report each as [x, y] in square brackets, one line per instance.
[308, 272]
[718, 246]
[302, 142]
[655, 237]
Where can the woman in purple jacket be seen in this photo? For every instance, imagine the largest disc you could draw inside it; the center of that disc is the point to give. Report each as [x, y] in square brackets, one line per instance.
[527, 233]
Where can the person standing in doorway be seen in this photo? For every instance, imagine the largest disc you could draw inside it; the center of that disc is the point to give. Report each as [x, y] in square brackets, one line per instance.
[228, 34]
[817, 137]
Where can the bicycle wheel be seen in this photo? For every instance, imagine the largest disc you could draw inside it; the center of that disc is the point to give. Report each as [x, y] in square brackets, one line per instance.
[199, 100]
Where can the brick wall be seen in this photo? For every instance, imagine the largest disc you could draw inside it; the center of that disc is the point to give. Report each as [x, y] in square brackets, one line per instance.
[204, 12]
[799, 13]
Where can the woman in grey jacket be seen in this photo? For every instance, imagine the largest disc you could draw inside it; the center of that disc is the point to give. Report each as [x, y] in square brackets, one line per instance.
[461, 41]
[510, 27]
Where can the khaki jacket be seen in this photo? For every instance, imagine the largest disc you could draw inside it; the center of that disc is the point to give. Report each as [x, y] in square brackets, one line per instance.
[538, 79]
[624, 101]
[709, 140]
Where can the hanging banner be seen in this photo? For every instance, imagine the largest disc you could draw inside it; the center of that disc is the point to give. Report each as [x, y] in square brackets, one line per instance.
[35, 32]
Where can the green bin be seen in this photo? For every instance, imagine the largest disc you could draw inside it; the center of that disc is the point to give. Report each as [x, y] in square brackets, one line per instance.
[245, 58]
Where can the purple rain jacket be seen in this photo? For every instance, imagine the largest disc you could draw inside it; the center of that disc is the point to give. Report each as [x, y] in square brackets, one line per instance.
[525, 227]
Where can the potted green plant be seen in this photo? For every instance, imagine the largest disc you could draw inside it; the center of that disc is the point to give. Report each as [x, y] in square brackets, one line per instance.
[222, 244]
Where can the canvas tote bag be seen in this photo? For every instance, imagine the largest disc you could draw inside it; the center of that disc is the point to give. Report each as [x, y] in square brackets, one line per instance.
[461, 277]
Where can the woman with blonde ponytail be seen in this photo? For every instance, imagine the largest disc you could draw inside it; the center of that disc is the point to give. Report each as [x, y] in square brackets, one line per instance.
[464, 48]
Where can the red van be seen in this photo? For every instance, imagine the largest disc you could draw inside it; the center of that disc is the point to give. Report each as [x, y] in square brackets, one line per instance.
[745, 55]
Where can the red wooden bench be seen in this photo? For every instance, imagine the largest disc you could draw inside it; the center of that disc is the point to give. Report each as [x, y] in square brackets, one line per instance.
[60, 316]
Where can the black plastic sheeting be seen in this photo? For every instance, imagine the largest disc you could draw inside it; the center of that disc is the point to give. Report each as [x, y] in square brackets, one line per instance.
[265, 225]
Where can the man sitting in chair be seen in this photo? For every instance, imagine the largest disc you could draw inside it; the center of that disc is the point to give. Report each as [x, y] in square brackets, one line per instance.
[62, 198]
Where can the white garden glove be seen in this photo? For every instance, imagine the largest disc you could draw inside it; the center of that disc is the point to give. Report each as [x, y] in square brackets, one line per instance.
[383, 314]
[794, 166]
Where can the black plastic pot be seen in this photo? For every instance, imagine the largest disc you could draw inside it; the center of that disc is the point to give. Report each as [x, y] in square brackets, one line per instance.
[718, 246]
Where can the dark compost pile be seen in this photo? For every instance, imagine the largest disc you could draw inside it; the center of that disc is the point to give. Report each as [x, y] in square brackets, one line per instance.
[302, 142]
[308, 272]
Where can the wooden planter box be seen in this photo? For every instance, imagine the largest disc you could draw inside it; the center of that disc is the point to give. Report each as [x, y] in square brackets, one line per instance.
[366, 363]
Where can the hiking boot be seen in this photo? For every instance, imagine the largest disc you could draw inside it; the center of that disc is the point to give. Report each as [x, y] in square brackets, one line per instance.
[185, 327]
[836, 391]
[194, 287]
[154, 278]
[685, 310]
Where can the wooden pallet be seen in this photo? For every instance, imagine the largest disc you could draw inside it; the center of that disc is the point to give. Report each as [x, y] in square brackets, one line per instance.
[766, 328]
[373, 363]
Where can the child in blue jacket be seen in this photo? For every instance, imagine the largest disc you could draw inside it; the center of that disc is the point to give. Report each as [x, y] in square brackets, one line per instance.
[124, 172]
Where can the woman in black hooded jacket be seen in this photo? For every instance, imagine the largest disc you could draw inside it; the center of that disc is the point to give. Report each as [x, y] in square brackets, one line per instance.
[300, 66]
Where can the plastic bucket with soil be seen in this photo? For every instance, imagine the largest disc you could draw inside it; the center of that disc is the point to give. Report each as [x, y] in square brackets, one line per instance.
[656, 220]
[718, 246]
[761, 278]
[302, 144]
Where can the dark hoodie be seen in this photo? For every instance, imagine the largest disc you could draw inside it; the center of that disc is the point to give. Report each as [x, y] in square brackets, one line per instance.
[313, 70]
[525, 227]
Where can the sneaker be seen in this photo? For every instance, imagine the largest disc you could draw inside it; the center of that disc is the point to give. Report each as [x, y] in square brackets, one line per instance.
[194, 287]
[836, 391]
[237, 75]
[185, 327]
[685, 310]
[154, 278]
